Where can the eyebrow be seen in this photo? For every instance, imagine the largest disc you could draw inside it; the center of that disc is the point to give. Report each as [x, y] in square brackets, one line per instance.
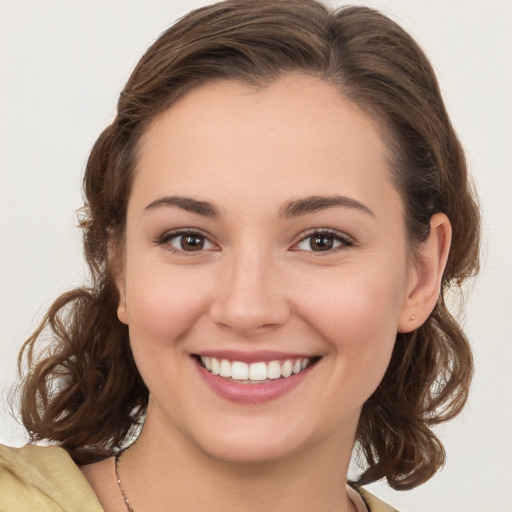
[314, 204]
[188, 204]
[294, 208]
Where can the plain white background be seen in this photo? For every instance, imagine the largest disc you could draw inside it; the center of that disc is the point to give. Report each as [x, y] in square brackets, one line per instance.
[63, 64]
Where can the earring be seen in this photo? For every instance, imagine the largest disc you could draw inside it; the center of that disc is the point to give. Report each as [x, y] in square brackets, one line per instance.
[412, 317]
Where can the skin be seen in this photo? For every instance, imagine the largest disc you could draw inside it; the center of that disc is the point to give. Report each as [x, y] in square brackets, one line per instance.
[257, 284]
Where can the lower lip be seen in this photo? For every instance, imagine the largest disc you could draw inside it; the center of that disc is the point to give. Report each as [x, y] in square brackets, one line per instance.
[252, 393]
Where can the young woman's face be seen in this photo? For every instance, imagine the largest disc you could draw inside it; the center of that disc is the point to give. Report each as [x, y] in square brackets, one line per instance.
[265, 241]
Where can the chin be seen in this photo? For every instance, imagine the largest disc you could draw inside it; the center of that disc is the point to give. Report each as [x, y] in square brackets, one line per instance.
[265, 442]
[250, 451]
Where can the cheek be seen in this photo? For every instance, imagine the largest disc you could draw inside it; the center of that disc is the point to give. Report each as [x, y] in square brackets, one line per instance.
[164, 306]
[356, 313]
[354, 302]
[163, 302]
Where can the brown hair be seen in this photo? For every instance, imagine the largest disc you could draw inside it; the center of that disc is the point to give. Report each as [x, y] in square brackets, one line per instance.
[85, 390]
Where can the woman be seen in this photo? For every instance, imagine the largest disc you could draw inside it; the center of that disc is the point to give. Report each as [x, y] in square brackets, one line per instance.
[271, 221]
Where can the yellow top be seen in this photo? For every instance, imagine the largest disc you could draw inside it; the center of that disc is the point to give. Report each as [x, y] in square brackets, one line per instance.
[45, 479]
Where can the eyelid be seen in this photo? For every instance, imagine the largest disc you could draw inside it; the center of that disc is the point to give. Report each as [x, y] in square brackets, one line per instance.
[346, 240]
[164, 238]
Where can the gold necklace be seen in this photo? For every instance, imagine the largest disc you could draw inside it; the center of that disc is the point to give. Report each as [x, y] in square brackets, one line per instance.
[129, 507]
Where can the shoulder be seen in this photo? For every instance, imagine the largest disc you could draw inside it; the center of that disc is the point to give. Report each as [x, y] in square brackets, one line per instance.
[373, 504]
[43, 479]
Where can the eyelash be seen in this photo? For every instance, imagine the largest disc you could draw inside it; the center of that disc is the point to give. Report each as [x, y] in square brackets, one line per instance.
[166, 238]
[343, 240]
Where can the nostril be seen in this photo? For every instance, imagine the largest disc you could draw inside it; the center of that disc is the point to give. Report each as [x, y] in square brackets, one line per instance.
[250, 317]
[224, 326]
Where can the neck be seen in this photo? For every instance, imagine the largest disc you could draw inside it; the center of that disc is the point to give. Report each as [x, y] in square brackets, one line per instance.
[160, 469]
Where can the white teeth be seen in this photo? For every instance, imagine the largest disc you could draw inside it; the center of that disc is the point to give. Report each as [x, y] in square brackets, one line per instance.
[239, 371]
[215, 365]
[287, 368]
[260, 371]
[225, 368]
[274, 370]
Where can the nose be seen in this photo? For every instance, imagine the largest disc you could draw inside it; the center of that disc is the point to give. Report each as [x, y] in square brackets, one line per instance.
[249, 299]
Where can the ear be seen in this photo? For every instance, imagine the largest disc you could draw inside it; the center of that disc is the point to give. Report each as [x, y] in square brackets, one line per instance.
[117, 265]
[426, 273]
[122, 309]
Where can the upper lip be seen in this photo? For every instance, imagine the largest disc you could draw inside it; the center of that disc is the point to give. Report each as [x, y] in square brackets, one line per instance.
[253, 356]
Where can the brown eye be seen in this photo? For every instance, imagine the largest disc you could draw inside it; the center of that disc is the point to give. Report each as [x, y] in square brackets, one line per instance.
[321, 242]
[188, 241]
[191, 242]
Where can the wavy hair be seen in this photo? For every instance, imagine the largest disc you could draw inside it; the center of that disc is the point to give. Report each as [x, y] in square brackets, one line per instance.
[84, 390]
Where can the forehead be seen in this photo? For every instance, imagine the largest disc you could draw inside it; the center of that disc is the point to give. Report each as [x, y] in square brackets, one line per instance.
[297, 134]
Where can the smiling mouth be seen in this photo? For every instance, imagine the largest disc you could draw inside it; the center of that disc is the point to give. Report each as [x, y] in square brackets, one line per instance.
[255, 373]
